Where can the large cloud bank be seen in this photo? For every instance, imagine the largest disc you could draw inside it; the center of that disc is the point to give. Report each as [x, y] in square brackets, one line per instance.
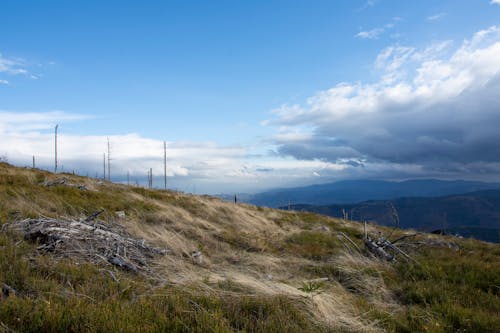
[434, 111]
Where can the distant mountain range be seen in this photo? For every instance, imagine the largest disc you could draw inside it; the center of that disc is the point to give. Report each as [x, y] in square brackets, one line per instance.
[353, 191]
[475, 214]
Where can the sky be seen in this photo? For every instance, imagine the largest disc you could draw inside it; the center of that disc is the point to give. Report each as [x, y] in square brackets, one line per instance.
[253, 95]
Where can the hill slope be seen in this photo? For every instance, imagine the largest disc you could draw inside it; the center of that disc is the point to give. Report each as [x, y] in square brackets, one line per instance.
[353, 191]
[475, 214]
[228, 267]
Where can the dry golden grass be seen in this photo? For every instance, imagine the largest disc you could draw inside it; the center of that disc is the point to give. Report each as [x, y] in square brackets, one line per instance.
[247, 251]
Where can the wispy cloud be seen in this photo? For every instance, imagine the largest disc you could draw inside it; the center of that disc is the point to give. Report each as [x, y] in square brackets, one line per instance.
[16, 122]
[375, 33]
[14, 66]
[433, 112]
[367, 4]
[495, 2]
[395, 61]
[370, 34]
[437, 17]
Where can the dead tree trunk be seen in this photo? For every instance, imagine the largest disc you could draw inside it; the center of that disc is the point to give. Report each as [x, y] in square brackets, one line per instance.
[165, 164]
[109, 161]
[55, 148]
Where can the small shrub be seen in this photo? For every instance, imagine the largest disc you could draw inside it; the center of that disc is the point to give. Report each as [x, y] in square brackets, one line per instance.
[311, 287]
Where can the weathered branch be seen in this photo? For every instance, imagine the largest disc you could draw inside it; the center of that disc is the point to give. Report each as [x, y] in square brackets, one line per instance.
[377, 250]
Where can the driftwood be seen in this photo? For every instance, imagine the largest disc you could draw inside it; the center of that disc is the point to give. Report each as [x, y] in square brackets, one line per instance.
[93, 241]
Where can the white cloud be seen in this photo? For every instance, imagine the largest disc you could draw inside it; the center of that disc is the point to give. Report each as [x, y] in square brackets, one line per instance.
[375, 33]
[370, 34]
[393, 57]
[15, 122]
[396, 61]
[367, 4]
[434, 110]
[438, 16]
[12, 66]
[495, 2]
[208, 166]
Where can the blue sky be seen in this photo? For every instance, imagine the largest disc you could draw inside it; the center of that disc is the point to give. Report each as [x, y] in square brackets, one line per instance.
[253, 94]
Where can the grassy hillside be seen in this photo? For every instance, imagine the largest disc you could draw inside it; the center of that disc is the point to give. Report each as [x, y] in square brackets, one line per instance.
[256, 272]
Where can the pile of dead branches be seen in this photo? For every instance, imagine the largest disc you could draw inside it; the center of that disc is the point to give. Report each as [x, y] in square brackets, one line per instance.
[90, 240]
[64, 182]
[401, 247]
[380, 247]
[384, 248]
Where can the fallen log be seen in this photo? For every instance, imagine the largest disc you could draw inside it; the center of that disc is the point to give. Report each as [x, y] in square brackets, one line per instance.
[377, 250]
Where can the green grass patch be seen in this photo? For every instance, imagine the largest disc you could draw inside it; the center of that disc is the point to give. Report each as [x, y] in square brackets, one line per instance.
[312, 245]
[452, 291]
